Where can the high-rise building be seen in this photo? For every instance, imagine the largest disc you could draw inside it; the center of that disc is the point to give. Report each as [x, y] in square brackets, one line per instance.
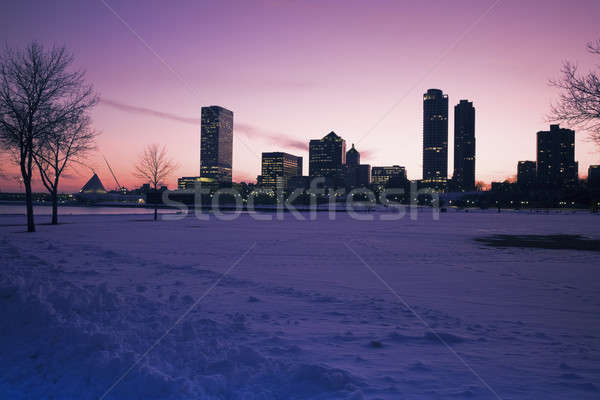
[327, 157]
[593, 179]
[382, 175]
[355, 173]
[278, 168]
[353, 157]
[526, 175]
[363, 175]
[556, 165]
[216, 144]
[464, 146]
[435, 139]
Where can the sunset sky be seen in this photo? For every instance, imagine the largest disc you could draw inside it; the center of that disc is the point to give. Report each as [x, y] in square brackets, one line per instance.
[292, 71]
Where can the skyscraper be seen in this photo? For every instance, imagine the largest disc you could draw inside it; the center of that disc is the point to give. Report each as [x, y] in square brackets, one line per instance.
[278, 168]
[464, 146]
[593, 179]
[435, 139]
[353, 157]
[556, 165]
[216, 144]
[355, 173]
[327, 157]
[526, 174]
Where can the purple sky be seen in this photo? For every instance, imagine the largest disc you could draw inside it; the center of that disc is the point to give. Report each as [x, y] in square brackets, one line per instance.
[299, 69]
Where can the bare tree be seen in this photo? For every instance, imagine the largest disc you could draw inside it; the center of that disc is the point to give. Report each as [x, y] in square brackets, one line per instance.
[480, 186]
[154, 167]
[69, 142]
[579, 101]
[38, 94]
[3, 175]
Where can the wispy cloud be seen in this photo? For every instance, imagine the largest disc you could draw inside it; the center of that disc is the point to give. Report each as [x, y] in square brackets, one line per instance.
[253, 132]
[248, 130]
[366, 155]
[147, 111]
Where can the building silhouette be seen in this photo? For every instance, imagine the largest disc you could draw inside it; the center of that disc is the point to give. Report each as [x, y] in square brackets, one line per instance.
[187, 182]
[435, 139]
[464, 147]
[382, 175]
[556, 165]
[300, 182]
[502, 187]
[352, 157]
[355, 173]
[216, 145]
[526, 175]
[93, 186]
[593, 179]
[363, 175]
[277, 168]
[327, 156]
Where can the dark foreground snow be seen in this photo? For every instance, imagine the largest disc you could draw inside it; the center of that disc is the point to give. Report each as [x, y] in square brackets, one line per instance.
[300, 315]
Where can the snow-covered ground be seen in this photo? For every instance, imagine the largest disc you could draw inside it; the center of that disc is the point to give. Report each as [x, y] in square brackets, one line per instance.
[324, 309]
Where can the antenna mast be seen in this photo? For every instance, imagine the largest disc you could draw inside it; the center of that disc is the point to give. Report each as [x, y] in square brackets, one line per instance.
[112, 173]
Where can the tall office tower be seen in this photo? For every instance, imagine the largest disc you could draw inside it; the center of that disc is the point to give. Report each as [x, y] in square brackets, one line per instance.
[556, 165]
[593, 179]
[327, 156]
[355, 173]
[353, 157]
[363, 175]
[526, 174]
[216, 145]
[435, 139]
[278, 168]
[464, 146]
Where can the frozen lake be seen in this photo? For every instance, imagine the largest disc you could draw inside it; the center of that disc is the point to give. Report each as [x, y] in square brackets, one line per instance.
[323, 309]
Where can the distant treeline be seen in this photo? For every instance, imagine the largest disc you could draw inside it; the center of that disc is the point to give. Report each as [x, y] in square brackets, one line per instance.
[37, 197]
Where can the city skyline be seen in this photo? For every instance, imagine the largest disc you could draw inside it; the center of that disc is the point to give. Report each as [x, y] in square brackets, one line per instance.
[291, 98]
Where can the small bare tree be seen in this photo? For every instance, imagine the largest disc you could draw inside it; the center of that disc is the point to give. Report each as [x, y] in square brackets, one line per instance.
[154, 167]
[2, 173]
[38, 94]
[579, 101]
[69, 142]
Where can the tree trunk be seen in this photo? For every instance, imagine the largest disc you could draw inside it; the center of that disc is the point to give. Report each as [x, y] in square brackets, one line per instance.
[26, 175]
[155, 213]
[54, 195]
[29, 205]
